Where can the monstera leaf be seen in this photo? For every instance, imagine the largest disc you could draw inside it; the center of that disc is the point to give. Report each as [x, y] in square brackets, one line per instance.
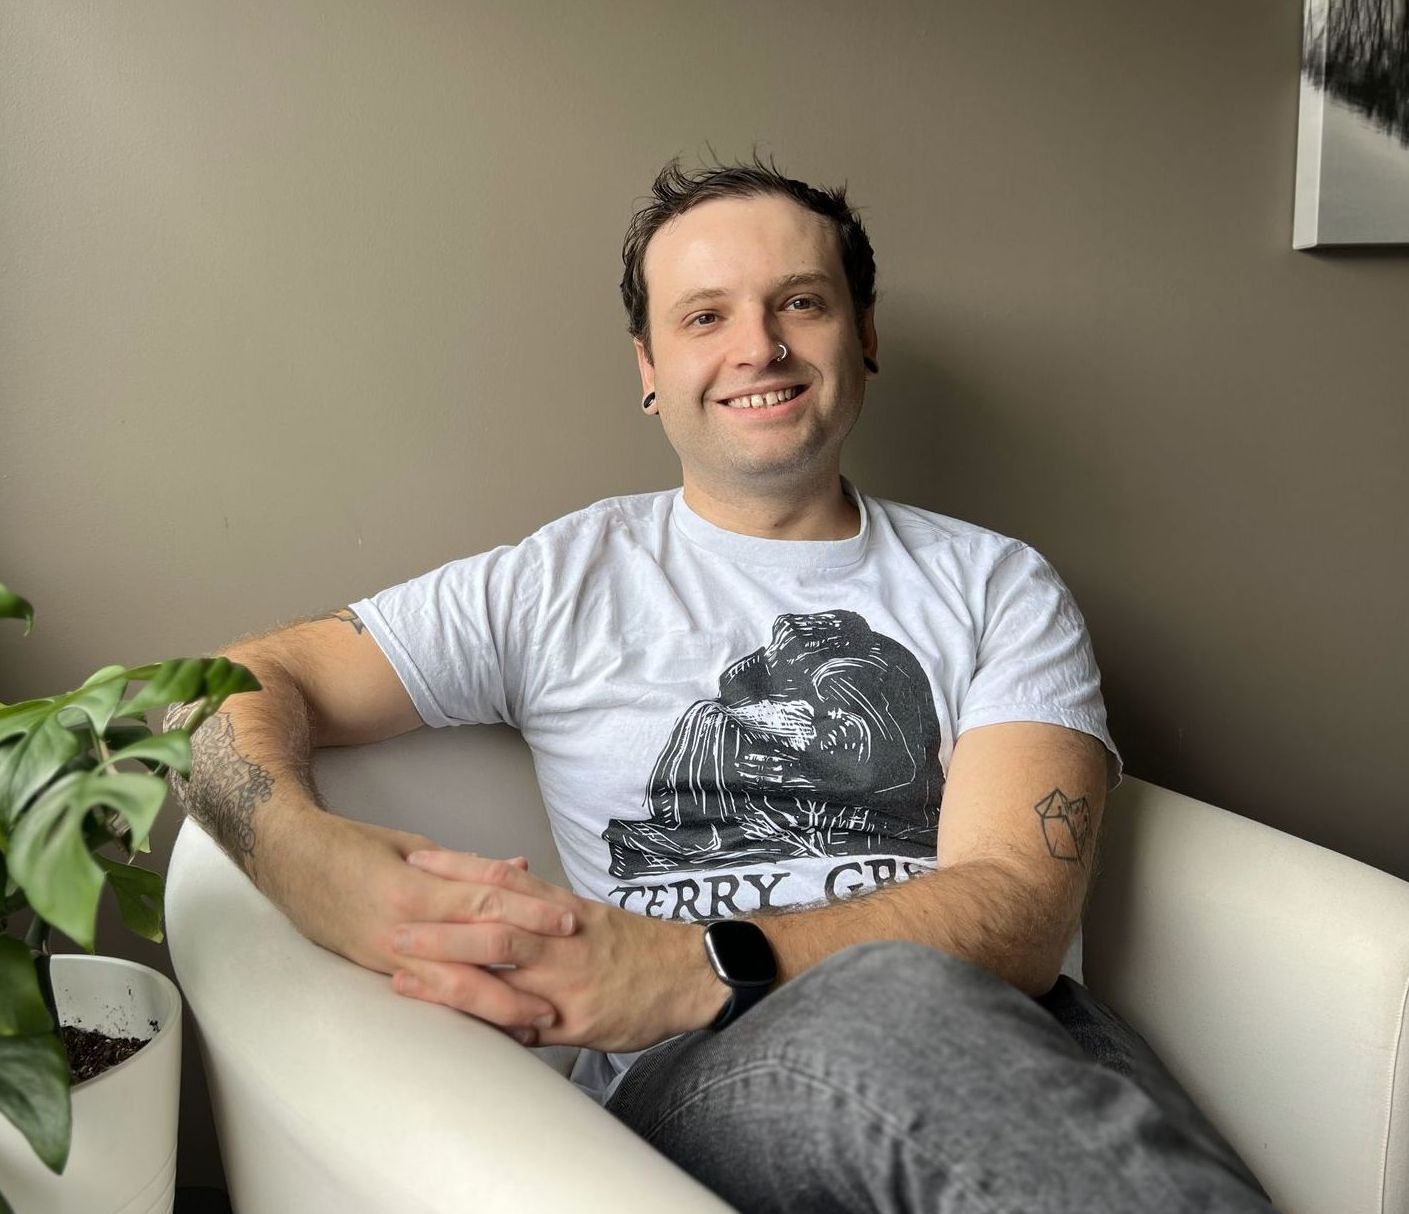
[59, 801]
[49, 851]
[63, 796]
[34, 1088]
[36, 740]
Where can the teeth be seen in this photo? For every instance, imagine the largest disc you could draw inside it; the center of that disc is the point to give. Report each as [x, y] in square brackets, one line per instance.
[762, 402]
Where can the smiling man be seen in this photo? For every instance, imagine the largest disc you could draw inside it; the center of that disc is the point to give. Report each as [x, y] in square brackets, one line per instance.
[758, 377]
[826, 773]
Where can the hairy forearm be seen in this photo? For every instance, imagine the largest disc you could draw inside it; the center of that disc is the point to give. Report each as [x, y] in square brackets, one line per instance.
[252, 757]
[981, 911]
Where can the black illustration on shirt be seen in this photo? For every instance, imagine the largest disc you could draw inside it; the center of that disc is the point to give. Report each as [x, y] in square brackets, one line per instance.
[823, 743]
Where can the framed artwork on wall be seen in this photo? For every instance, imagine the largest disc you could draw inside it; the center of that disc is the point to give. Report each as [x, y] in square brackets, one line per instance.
[1352, 165]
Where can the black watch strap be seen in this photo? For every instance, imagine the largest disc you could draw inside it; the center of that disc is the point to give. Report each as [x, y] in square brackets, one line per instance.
[739, 1001]
[742, 958]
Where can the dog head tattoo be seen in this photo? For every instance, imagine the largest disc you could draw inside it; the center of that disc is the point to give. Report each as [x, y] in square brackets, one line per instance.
[823, 743]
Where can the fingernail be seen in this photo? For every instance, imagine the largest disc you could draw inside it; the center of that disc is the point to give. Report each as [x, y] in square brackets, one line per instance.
[544, 1022]
[524, 1036]
[567, 924]
[402, 942]
[405, 983]
[416, 857]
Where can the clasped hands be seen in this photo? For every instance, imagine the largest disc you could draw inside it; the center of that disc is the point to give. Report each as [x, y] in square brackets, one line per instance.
[585, 973]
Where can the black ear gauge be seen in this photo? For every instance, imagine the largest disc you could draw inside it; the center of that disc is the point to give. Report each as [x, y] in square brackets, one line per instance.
[871, 366]
[646, 404]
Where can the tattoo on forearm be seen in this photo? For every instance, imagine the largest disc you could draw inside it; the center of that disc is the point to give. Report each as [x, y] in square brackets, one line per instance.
[224, 787]
[178, 715]
[347, 616]
[1066, 825]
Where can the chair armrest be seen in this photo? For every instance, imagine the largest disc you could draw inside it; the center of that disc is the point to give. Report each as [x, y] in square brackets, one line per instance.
[331, 1092]
[1271, 975]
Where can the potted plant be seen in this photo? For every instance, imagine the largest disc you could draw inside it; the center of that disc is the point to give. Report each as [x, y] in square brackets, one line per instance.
[82, 779]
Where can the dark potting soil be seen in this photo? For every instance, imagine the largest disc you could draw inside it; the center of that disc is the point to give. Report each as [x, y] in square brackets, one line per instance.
[91, 1053]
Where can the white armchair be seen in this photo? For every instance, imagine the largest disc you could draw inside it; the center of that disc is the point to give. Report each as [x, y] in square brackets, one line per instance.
[1269, 974]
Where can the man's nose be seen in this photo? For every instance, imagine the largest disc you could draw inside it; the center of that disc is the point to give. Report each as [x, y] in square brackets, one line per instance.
[756, 338]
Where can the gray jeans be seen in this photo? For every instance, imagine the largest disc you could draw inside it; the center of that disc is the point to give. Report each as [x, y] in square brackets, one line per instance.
[895, 1077]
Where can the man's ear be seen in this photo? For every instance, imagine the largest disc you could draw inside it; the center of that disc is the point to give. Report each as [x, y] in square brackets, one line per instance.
[643, 364]
[870, 343]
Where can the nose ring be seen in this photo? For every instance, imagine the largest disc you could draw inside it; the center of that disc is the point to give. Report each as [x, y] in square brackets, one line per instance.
[784, 353]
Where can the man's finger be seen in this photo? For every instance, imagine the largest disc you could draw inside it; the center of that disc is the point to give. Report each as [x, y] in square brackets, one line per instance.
[470, 902]
[474, 991]
[468, 943]
[469, 866]
[495, 889]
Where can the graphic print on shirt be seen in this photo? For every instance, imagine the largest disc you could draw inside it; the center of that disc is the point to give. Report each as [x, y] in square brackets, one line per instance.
[823, 743]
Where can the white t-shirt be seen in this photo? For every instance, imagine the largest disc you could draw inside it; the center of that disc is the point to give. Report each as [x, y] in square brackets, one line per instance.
[721, 723]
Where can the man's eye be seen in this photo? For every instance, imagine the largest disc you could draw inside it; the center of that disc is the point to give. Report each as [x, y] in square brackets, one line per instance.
[807, 299]
[701, 316]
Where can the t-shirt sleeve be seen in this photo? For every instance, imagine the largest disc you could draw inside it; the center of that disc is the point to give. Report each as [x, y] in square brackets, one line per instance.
[454, 636]
[1035, 661]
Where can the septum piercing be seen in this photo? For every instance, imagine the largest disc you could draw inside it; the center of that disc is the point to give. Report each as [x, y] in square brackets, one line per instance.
[784, 353]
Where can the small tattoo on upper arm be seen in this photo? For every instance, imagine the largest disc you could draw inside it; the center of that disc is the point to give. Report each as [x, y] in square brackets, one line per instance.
[1066, 825]
[347, 616]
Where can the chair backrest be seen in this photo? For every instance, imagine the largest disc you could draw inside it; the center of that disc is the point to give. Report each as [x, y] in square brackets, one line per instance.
[473, 789]
[1272, 978]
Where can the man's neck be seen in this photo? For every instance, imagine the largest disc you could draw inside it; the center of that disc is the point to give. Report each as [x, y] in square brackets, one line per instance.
[821, 513]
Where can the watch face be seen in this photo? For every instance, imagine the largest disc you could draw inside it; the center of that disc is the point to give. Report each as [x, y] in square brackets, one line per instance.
[742, 951]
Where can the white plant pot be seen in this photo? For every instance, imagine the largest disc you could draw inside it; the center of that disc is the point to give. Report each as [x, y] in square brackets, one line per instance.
[123, 1155]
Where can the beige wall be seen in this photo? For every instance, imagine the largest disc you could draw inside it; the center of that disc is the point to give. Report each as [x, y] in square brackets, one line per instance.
[300, 299]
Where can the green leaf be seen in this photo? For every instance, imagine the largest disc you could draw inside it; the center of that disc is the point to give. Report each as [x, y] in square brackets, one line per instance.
[49, 859]
[97, 699]
[139, 897]
[34, 1094]
[12, 607]
[172, 749]
[119, 736]
[34, 748]
[22, 1010]
[182, 680]
[37, 738]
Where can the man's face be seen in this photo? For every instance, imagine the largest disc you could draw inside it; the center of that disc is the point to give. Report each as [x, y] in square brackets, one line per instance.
[719, 347]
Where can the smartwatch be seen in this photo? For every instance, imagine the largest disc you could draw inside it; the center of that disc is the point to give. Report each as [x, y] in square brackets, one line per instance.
[743, 959]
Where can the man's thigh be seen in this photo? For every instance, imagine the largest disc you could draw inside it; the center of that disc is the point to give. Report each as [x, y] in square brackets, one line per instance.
[897, 1077]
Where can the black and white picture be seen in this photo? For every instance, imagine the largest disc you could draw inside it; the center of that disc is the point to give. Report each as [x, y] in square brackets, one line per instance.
[1352, 182]
[825, 742]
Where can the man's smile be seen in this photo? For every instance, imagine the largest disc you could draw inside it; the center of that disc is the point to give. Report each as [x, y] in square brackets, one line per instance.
[772, 403]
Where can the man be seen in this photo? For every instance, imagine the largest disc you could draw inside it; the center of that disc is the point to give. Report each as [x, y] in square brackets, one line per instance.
[826, 774]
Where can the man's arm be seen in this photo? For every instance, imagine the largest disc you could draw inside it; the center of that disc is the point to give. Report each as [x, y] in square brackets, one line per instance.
[323, 684]
[344, 884]
[1017, 838]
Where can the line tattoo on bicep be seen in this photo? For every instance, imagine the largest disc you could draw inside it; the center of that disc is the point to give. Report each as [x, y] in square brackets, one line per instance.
[224, 787]
[1066, 825]
[347, 616]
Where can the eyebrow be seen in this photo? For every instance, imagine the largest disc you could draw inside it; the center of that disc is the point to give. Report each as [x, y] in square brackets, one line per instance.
[806, 278]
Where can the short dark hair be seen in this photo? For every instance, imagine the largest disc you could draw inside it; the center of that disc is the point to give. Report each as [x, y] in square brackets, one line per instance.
[675, 192]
